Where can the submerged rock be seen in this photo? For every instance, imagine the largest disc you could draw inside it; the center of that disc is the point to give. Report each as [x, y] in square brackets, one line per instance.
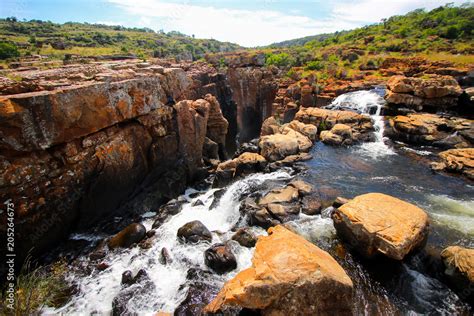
[130, 235]
[376, 223]
[311, 205]
[219, 257]
[459, 263]
[138, 287]
[245, 238]
[194, 232]
[289, 276]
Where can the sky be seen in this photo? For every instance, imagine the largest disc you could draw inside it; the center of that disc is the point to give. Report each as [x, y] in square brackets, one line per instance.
[246, 22]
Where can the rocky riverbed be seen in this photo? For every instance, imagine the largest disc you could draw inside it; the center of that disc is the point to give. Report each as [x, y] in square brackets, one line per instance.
[298, 220]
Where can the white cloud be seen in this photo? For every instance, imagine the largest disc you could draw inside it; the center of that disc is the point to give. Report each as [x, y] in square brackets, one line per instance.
[261, 27]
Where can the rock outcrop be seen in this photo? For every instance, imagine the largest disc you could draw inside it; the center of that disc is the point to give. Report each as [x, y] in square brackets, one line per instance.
[432, 129]
[459, 263]
[64, 150]
[289, 276]
[457, 161]
[376, 223]
[244, 164]
[325, 120]
[428, 94]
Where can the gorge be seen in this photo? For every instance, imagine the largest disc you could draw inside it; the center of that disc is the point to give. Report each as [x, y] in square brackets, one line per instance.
[231, 185]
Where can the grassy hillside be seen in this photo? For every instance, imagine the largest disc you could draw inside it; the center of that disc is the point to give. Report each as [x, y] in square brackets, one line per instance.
[56, 40]
[443, 34]
[446, 28]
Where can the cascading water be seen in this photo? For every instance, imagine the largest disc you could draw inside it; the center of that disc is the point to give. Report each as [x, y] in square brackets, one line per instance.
[400, 289]
[367, 102]
[98, 289]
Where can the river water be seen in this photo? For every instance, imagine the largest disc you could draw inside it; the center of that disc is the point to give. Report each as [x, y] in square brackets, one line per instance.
[382, 288]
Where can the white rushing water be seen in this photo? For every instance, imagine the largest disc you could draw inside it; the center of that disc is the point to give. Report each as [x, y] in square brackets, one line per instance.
[367, 102]
[97, 290]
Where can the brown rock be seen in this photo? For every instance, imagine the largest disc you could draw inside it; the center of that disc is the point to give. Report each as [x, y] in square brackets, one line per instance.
[278, 146]
[378, 223]
[459, 263]
[285, 195]
[245, 238]
[130, 235]
[289, 276]
[220, 258]
[458, 161]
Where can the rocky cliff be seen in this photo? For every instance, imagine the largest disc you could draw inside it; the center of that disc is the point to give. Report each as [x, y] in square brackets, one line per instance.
[74, 154]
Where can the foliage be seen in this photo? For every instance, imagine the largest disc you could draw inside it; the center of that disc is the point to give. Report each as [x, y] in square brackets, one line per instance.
[36, 288]
[57, 40]
[8, 50]
[279, 60]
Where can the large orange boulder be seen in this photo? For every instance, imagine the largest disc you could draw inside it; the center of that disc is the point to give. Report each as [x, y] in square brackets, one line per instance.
[376, 223]
[289, 276]
[459, 263]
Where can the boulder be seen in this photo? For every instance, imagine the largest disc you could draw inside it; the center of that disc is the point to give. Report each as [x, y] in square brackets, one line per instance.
[269, 127]
[304, 143]
[245, 237]
[287, 194]
[257, 215]
[307, 130]
[340, 134]
[130, 235]
[457, 161]
[311, 205]
[278, 146]
[459, 263]
[376, 223]
[246, 163]
[219, 258]
[303, 188]
[194, 232]
[289, 276]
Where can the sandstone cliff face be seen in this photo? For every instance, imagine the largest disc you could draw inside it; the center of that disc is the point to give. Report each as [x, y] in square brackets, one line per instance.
[253, 90]
[72, 156]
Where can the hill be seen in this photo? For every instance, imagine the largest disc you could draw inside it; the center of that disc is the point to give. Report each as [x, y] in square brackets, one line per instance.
[447, 28]
[57, 40]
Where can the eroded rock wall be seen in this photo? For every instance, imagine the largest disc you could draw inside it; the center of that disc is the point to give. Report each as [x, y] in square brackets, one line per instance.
[72, 156]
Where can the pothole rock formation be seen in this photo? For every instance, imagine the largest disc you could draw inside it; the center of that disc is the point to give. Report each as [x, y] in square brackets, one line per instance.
[289, 276]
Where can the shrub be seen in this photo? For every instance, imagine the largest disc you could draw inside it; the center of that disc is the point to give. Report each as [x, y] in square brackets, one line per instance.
[8, 50]
[314, 65]
[279, 60]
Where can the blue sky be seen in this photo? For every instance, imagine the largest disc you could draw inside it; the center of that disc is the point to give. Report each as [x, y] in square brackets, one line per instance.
[246, 22]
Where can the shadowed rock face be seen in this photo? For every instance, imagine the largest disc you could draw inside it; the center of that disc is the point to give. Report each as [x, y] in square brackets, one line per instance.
[75, 155]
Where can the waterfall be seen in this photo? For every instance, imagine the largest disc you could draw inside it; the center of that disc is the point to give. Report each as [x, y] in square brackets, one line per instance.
[98, 289]
[368, 102]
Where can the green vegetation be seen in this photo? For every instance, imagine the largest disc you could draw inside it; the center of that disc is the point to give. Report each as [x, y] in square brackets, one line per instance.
[8, 50]
[443, 34]
[416, 31]
[59, 40]
[36, 288]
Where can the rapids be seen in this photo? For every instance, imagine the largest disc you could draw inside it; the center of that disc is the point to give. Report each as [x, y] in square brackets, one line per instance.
[388, 288]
